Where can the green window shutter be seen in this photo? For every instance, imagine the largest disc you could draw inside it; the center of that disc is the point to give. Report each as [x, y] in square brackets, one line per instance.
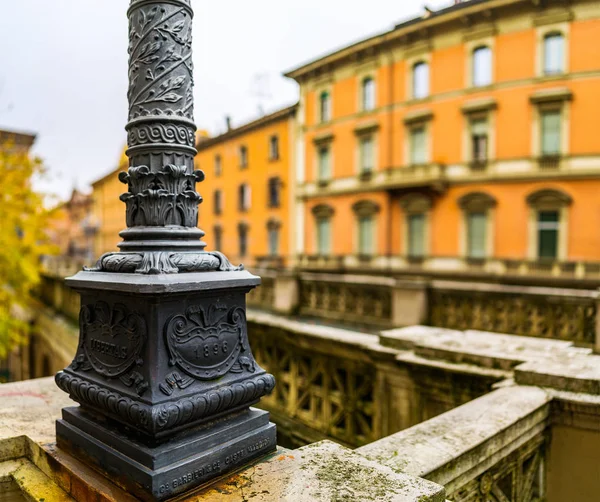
[550, 124]
[324, 236]
[366, 154]
[548, 228]
[273, 242]
[416, 235]
[365, 235]
[324, 163]
[418, 146]
[476, 235]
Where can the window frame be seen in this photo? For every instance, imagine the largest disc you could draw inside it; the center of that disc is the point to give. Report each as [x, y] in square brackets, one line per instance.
[218, 198]
[323, 213]
[243, 155]
[324, 118]
[366, 209]
[364, 94]
[562, 28]
[243, 230]
[427, 93]
[477, 203]
[274, 153]
[274, 182]
[416, 204]
[244, 197]
[473, 72]
[218, 165]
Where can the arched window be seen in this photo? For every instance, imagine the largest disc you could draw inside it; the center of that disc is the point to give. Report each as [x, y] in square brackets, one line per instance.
[325, 106]
[554, 52]
[368, 93]
[420, 80]
[482, 66]
[416, 208]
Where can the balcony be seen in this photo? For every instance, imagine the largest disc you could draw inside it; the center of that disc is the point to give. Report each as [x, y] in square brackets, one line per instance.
[549, 162]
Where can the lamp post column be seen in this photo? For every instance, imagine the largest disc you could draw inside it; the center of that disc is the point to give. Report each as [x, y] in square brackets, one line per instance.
[163, 374]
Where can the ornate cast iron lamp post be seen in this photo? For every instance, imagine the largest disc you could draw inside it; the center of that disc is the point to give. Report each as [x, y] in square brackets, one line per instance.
[164, 374]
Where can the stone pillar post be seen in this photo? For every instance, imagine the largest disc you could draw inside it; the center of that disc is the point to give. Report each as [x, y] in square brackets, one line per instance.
[409, 302]
[163, 373]
[287, 293]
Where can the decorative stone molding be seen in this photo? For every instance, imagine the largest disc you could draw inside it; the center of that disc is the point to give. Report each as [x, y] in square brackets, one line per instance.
[365, 208]
[417, 117]
[476, 201]
[549, 199]
[323, 211]
[415, 203]
[479, 106]
[554, 95]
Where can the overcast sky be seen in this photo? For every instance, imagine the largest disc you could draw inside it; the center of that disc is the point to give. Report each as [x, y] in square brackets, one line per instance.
[63, 67]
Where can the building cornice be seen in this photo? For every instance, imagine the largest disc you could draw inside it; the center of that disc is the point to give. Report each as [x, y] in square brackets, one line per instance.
[400, 32]
[284, 113]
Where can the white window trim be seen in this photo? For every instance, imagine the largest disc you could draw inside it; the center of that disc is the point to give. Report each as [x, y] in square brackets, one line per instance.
[565, 126]
[426, 124]
[470, 49]
[425, 57]
[320, 90]
[489, 233]
[426, 233]
[316, 236]
[490, 116]
[563, 233]
[375, 230]
[541, 32]
[361, 78]
[357, 152]
[317, 173]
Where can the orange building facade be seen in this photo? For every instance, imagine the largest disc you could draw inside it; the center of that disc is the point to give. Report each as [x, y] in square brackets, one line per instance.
[249, 189]
[454, 140]
[108, 210]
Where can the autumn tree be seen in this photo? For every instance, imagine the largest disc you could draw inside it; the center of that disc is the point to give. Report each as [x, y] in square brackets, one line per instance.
[23, 241]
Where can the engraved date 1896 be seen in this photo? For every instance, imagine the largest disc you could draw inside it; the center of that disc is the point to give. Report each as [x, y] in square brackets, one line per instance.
[207, 350]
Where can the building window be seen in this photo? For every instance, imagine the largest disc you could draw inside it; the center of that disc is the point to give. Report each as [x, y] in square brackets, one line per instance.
[324, 160]
[366, 235]
[324, 236]
[325, 106]
[218, 166]
[218, 202]
[274, 148]
[420, 80]
[548, 223]
[323, 215]
[554, 47]
[274, 192]
[479, 140]
[550, 125]
[477, 207]
[243, 239]
[243, 156]
[476, 235]
[244, 197]
[218, 233]
[366, 154]
[418, 145]
[365, 212]
[416, 235]
[368, 94]
[482, 66]
[273, 235]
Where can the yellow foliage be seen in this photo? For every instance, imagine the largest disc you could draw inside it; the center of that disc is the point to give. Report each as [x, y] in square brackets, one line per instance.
[23, 220]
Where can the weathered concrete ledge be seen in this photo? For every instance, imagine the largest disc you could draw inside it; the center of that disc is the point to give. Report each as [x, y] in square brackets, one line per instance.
[459, 445]
[30, 464]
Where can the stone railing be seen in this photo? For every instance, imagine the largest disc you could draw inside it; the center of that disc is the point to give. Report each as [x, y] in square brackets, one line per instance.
[493, 448]
[454, 266]
[531, 311]
[347, 386]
